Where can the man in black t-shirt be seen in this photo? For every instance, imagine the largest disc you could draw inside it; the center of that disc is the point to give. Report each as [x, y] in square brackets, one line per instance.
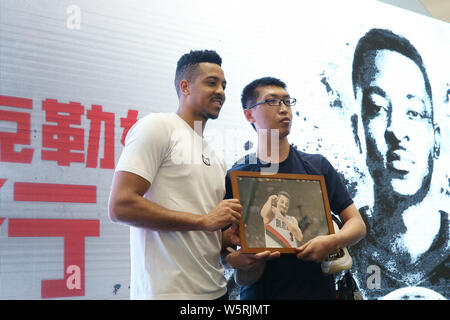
[269, 275]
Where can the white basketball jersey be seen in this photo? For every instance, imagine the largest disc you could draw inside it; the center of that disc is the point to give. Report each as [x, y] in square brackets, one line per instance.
[278, 234]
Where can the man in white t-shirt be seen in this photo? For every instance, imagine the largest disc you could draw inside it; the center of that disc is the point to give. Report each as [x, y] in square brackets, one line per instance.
[169, 187]
[282, 230]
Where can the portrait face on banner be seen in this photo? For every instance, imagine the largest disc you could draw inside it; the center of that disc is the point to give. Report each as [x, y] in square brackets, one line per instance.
[397, 134]
[398, 124]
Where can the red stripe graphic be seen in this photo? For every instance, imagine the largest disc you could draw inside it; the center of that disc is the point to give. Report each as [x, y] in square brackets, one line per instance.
[16, 102]
[1, 220]
[74, 232]
[2, 182]
[278, 235]
[47, 192]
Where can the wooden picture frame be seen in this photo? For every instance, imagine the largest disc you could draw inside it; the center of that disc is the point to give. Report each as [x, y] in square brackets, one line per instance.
[266, 225]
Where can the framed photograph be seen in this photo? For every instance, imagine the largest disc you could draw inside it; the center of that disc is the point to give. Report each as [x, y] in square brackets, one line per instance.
[280, 212]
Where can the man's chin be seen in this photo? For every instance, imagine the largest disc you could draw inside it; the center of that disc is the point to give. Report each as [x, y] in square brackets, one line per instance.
[404, 187]
[213, 116]
[285, 132]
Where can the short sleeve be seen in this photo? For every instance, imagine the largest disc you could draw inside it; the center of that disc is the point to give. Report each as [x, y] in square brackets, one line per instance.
[146, 146]
[338, 194]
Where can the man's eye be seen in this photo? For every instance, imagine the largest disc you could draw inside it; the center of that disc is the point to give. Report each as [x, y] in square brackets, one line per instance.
[415, 115]
[378, 107]
[375, 107]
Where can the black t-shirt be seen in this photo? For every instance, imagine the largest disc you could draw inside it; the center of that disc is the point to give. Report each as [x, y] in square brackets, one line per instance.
[288, 277]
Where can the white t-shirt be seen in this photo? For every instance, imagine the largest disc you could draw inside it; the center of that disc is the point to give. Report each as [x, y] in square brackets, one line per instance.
[185, 175]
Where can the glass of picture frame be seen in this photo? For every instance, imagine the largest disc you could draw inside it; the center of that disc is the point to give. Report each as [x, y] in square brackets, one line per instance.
[282, 211]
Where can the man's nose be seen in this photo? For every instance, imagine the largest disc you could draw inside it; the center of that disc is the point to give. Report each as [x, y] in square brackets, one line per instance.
[283, 108]
[398, 128]
[220, 91]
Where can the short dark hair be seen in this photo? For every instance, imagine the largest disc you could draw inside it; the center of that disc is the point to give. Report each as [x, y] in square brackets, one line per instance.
[250, 92]
[284, 193]
[383, 39]
[188, 64]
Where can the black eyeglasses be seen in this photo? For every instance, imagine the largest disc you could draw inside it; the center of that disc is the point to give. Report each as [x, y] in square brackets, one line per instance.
[276, 102]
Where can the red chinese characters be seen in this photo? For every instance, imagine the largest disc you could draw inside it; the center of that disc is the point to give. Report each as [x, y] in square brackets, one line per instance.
[62, 142]
[71, 133]
[63, 133]
[97, 117]
[10, 140]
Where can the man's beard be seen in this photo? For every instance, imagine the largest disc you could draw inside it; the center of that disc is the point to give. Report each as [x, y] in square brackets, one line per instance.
[209, 115]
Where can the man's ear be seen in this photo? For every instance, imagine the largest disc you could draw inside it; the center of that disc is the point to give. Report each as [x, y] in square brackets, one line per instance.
[249, 116]
[354, 125]
[437, 141]
[184, 87]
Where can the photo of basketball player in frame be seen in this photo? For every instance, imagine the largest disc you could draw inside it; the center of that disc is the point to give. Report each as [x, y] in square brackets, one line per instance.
[280, 212]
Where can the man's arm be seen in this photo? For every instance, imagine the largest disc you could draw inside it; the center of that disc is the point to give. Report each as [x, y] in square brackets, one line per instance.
[249, 267]
[128, 206]
[230, 238]
[266, 211]
[354, 228]
[320, 247]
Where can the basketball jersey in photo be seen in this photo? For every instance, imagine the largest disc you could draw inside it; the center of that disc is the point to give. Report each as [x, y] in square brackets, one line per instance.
[278, 234]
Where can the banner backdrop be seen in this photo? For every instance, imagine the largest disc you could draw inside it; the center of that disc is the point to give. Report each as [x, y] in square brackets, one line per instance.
[75, 76]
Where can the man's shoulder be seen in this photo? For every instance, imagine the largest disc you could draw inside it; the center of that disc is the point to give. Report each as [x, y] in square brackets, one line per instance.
[313, 157]
[152, 118]
[312, 161]
[248, 162]
[158, 116]
[152, 128]
[159, 121]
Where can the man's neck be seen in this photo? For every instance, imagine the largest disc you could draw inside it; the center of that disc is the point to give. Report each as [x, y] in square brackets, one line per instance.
[272, 151]
[196, 123]
[401, 228]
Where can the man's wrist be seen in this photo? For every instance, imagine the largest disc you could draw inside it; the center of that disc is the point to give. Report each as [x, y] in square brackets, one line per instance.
[199, 223]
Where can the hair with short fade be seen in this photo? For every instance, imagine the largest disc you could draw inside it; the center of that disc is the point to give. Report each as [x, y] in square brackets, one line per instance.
[188, 63]
[250, 92]
[284, 193]
[383, 39]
